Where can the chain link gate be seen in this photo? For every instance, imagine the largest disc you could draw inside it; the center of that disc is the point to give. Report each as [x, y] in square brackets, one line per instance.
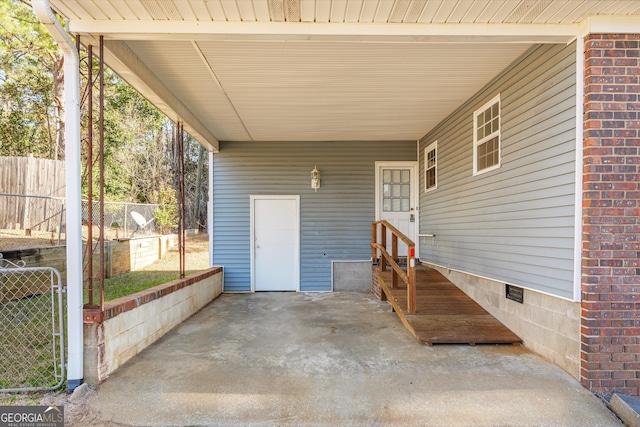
[31, 328]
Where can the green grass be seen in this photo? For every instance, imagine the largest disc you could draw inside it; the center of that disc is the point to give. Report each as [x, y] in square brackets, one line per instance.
[136, 281]
[26, 343]
[130, 283]
[162, 271]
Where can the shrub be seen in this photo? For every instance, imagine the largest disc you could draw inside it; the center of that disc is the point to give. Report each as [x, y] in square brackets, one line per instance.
[166, 215]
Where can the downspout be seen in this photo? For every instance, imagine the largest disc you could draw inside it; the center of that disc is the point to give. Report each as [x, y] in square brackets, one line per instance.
[75, 338]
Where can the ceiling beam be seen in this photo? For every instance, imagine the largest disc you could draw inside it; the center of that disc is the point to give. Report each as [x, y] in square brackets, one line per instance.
[128, 66]
[207, 65]
[364, 32]
[610, 25]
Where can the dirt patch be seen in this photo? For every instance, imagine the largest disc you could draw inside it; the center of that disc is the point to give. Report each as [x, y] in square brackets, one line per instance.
[196, 256]
[76, 407]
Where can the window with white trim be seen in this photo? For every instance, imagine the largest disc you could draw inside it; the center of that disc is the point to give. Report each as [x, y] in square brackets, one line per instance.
[431, 167]
[486, 137]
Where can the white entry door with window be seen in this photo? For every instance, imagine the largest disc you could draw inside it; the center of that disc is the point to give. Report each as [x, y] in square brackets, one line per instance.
[275, 237]
[396, 198]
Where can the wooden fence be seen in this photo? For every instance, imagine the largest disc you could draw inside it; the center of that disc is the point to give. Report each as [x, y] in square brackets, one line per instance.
[30, 176]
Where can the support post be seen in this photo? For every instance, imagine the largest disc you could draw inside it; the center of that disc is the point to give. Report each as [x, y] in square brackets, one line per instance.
[89, 166]
[411, 286]
[394, 247]
[383, 243]
[43, 10]
[394, 256]
[101, 166]
[181, 197]
[374, 240]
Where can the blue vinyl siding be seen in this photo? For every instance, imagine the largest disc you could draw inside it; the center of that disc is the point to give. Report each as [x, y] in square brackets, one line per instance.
[517, 223]
[335, 221]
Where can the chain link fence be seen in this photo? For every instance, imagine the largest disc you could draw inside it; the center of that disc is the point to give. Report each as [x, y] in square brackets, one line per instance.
[30, 222]
[120, 219]
[31, 328]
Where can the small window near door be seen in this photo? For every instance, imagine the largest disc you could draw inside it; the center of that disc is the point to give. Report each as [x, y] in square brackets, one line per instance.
[431, 167]
[486, 137]
[396, 190]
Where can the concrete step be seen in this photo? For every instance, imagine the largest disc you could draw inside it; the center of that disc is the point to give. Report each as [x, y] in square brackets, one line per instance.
[627, 408]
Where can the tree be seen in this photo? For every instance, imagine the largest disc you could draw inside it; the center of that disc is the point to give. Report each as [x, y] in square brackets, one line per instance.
[139, 154]
[134, 151]
[139, 138]
[31, 85]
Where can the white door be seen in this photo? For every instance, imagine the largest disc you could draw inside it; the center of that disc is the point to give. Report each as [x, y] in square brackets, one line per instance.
[396, 199]
[275, 254]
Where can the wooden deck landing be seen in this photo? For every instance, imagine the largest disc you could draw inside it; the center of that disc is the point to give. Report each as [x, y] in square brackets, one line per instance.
[444, 314]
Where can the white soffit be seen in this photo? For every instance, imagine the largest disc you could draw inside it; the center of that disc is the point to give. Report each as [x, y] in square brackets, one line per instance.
[347, 11]
[322, 91]
[325, 69]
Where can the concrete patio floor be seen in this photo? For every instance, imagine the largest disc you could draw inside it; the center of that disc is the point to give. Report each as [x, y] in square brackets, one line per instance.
[332, 359]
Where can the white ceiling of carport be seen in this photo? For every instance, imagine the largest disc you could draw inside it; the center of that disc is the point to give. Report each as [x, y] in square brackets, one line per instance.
[319, 91]
[319, 70]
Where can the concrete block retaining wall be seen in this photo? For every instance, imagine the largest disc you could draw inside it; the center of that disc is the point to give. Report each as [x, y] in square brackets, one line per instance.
[121, 256]
[132, 323]
[133, 254]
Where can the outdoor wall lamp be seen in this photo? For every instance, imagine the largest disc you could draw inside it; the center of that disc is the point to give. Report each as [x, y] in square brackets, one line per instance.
[315, 178]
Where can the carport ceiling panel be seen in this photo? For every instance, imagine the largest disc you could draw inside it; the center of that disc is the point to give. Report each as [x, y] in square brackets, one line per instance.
[184, 72]
[404, 11]
[351, 91]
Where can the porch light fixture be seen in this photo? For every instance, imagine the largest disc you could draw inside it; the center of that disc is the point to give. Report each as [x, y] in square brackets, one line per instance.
[315, 178]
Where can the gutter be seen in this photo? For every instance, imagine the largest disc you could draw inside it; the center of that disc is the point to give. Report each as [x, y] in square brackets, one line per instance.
[75, 373]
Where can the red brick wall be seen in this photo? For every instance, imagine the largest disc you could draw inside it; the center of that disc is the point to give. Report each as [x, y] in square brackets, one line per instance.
[610, 326]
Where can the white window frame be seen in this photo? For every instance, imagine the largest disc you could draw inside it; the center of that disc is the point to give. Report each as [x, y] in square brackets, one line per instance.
[431, 147]
[478, 142]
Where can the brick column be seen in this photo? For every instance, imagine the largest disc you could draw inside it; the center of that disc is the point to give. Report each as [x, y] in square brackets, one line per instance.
[610, 325]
